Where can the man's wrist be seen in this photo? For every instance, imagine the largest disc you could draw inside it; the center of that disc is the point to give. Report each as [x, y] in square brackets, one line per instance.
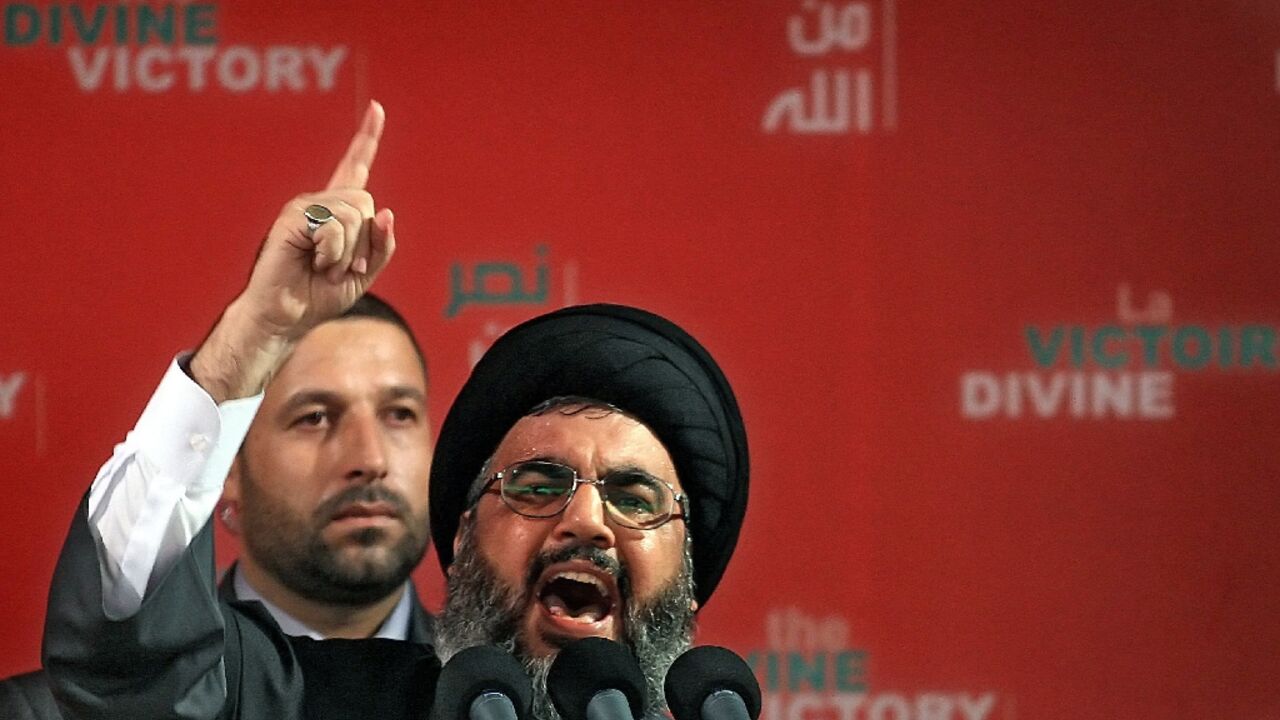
[239, 355]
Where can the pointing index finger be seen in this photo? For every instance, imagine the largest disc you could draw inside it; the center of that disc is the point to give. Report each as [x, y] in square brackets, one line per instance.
[353, 169]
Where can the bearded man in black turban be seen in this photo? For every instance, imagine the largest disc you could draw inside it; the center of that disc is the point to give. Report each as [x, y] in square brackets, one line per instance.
[590, 480]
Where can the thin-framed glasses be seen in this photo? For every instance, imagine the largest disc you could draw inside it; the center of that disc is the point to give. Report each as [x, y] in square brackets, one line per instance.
[633, 498]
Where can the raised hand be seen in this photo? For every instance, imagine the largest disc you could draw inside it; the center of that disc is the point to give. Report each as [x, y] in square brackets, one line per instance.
[302, 277]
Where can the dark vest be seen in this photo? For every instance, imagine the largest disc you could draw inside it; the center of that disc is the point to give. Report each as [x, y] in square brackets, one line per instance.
[191, 651]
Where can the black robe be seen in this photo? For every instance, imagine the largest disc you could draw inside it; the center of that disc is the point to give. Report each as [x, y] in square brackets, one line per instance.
[27, 697]
[188, 653]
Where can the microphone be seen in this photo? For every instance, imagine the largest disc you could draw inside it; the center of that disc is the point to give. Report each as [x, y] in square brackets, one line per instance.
[712, 683]
[482, 683]
[596, 679]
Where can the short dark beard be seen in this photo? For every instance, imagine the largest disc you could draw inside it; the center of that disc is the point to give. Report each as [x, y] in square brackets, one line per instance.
[481, 610]
[293, 550]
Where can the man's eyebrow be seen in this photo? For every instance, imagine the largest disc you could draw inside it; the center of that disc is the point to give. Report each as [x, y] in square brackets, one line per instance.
[628, 468]
[328, 398]
[303, 398]
[631, 469]
[558, 460]
[399, 392]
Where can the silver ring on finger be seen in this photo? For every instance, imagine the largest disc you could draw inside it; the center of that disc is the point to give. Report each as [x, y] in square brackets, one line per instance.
[316, 216]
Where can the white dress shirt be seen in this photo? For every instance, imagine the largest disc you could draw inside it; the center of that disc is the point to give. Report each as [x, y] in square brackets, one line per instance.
[161, 485]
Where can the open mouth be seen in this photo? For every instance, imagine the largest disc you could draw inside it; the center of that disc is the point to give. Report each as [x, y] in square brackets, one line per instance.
[577, 595]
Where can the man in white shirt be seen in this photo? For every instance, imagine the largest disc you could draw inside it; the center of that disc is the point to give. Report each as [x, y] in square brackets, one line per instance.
[346, 410]
[328, 493]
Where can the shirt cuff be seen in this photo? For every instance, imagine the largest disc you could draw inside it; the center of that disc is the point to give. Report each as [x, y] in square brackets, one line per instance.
[179, 426]
[161, 485]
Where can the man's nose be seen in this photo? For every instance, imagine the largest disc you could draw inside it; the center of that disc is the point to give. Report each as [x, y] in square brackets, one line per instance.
[584, 519]
[362, 447]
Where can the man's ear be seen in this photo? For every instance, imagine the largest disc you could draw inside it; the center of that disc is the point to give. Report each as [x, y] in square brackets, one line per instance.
[231, 488]
[464, 524]
[229, 505]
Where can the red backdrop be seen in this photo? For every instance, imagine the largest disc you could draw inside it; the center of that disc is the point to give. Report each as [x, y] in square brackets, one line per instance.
[994, 283]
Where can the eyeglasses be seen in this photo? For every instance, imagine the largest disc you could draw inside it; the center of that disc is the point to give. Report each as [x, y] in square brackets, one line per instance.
[542, 489]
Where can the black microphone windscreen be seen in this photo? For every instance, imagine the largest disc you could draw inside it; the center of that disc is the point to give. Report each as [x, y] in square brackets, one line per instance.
[588, 666]
[475, 671]
[701, 671]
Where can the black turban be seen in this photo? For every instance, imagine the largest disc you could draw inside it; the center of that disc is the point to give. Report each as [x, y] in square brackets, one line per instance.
[624, 356]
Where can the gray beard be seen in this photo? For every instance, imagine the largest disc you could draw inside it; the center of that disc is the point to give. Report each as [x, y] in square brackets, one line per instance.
[481, 610]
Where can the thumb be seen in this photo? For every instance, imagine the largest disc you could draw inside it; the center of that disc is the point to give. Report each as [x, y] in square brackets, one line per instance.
[382, 240]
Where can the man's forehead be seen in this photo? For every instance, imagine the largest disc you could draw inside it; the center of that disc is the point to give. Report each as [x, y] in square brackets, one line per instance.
[348, 354]
[356, 341]
[592, 439]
